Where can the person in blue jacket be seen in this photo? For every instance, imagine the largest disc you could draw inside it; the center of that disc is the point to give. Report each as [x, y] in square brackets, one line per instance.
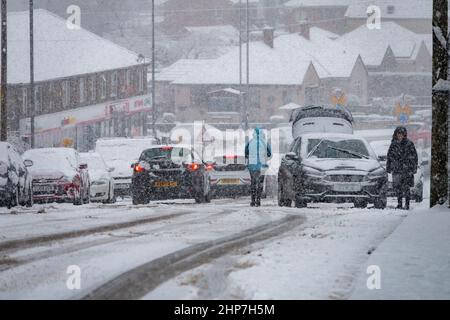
[257, 153]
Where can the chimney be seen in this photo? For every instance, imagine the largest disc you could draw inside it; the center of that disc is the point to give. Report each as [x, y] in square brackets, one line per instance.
[268, 34]
[304, 29]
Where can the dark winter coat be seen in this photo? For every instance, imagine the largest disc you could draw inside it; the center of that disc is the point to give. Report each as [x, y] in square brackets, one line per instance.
[402, 159]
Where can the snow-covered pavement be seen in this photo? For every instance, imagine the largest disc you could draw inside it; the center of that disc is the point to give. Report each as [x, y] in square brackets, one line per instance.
[414, 263]
[319, 258]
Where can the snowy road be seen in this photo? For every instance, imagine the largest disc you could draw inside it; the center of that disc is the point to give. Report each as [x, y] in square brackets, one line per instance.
[182, 250]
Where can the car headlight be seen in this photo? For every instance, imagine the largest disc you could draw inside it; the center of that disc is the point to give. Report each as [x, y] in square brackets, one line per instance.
[313, 172]
[377, 174]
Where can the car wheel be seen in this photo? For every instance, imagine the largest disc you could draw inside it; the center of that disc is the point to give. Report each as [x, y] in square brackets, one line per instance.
[380, 203]
[282, 202]
[30, 200]
[140, 198]
[360, 204]
[77, 199]
[299, 202]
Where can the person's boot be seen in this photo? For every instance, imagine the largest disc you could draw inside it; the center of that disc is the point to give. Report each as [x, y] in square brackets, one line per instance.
[253, 203]
[258, 202]
[400, 203]
[407, 204]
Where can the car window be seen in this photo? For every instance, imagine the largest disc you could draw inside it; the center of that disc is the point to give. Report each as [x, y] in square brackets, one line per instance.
[177, 155]
[327, 148]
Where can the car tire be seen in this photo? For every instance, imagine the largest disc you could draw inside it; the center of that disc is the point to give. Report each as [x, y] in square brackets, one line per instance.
[78, 199]
[299, 202]
[360, 204]
[30, 200]
[139, 198]
[282, 202]
[380, 203]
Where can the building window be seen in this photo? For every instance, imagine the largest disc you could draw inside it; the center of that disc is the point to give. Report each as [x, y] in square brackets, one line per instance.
[66, 93]
[103, 87]
[51, 96]
[141, 80]
[311, 95]
[38, 99]
[93, 88]
[24, 101]
[114, 84]
[128, 79]
[82, 90]
[390, 9]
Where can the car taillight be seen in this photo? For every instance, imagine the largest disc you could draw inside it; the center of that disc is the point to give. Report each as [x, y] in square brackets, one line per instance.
[192, 166]
[210, 167]
[138, 168]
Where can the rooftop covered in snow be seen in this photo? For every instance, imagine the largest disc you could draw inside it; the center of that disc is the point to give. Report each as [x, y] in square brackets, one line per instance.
[75, 52]
[285, 64]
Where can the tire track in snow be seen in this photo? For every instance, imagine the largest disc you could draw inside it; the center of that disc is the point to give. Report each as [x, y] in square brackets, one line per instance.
[7, 263]
[136, 283]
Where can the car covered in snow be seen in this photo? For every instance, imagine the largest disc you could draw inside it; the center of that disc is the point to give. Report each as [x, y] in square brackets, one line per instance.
[15, 179]
[59, 175]
[102, 181]
[321, 119]
[170, 172]
[331, 167]
[120, 153]
[230, 176]
[381, 148]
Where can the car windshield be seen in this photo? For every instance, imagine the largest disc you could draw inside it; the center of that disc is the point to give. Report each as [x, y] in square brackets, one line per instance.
[337, 149]
[176, 155]
[50, 160]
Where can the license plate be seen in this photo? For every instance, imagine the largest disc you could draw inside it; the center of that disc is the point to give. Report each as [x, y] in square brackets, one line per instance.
[47, 189]
[165, 184]
[229, 181]
[347, 187]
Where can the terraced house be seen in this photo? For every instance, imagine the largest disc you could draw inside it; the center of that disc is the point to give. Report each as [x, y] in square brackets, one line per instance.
[85, 86]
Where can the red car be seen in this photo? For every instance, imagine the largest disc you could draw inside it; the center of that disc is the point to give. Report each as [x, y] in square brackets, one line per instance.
[59, 176]
[419, 131]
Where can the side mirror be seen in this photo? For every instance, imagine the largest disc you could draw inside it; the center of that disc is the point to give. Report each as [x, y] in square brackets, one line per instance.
[291, 156]
[28, 163]
[111, 169]
[382, 158]
[83, 166]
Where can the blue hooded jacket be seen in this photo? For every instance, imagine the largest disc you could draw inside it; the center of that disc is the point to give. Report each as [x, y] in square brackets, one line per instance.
[257, 151]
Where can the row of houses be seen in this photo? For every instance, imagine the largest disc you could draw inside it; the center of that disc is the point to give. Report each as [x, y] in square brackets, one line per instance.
[85, 86]
[311, 66]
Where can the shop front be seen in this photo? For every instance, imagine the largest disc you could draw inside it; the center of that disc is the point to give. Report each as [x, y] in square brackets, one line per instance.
[80, 128]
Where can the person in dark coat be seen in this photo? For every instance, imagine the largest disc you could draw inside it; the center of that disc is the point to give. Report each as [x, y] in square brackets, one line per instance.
[257, 153]
[402, 162]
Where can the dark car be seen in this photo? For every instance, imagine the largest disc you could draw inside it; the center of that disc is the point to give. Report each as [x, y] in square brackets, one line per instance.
[331, 167]
[170, 172]
[15, 179]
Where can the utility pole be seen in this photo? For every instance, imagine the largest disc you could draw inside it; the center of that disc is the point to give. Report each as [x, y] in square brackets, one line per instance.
[33, 109]
[247, 100]
[4, 74]
[241, 103]
[153, 72]
[439, 146]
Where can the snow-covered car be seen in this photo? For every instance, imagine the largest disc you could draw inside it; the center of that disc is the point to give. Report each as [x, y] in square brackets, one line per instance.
[230, 176]
[120, 153]
[381, 148]
[321, 119]
[58, 175]
[170, 172]
[15, 179]
[331, 167]
[102, 181]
